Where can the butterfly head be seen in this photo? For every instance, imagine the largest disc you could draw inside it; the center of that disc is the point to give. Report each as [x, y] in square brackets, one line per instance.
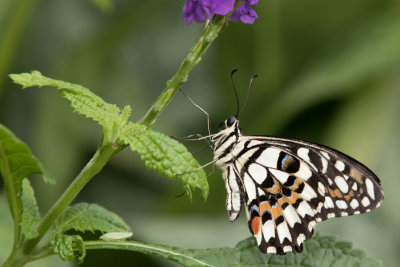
[231, 124]
[224, 141]
[230, 127]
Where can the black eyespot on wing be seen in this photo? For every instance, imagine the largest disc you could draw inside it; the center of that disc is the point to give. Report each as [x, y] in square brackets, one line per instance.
[230, 121]
[288, 163]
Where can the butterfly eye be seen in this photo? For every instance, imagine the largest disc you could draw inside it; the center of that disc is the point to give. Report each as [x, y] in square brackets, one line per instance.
[230, 121]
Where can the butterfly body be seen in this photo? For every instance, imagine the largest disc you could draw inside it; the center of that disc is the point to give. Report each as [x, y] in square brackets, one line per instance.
[288, 185]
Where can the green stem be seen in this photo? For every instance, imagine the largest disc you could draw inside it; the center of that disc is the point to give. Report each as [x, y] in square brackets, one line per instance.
[42, 252]
[103, 154]
[211, 31]
[15, 259]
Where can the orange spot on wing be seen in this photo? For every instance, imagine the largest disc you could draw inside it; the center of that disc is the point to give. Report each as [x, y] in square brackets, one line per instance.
[293, 198]
[276, 212]
[296, 184]
[349, 195]
[356, 174]
[335, 193]
[281, 201]
[265, 206]
[275, 189]
[255, 225]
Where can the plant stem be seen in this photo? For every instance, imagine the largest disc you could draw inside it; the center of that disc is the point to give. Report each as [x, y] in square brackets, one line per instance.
[211, 31]
[103, 154]
[42, 252]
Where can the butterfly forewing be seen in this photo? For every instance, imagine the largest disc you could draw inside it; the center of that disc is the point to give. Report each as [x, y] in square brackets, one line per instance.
[348, 186]
[289, 185]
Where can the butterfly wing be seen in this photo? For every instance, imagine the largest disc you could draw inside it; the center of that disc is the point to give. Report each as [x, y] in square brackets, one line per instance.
[290, 185]
[234, 192]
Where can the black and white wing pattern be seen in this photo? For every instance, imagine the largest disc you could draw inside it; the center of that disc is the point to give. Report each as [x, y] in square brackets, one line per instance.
[289, 185]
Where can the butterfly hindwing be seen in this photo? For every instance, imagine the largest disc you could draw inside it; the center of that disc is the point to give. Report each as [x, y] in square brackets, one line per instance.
[281, 206]
[234, 193]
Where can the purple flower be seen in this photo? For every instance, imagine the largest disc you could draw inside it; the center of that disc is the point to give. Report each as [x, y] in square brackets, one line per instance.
[195, 10]
[199, 10]
[245, 13]
[220, 7]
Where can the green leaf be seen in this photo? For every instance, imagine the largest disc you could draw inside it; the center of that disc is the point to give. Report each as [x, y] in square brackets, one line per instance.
[68, 246]
[89, 217]
[318, 252]
[165, 155]
[157, 150]
[84, 102]
[30, 212]
[16, 162]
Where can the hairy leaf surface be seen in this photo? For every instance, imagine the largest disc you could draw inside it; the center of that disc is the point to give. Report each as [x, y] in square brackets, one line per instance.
[84, 102]
[89, 217]
[165, 155]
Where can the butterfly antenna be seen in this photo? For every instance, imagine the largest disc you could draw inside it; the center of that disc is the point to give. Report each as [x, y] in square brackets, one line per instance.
[236, 95]
[202, 110]
[248, 92]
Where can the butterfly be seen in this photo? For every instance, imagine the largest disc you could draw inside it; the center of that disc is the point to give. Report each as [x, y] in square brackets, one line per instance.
[289, 185]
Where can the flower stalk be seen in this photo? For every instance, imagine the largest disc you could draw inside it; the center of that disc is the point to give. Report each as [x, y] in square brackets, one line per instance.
[211, 31]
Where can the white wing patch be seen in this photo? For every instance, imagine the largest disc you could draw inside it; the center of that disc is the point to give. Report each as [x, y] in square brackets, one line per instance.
[303, 153]
[370, 188]
[291, 216]
[280, 175]
[283, 232]
[257, 172]
[269, 157]
[341, 183]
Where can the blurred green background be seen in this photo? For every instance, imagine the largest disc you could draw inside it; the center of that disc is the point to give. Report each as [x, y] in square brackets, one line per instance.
[329, 73]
